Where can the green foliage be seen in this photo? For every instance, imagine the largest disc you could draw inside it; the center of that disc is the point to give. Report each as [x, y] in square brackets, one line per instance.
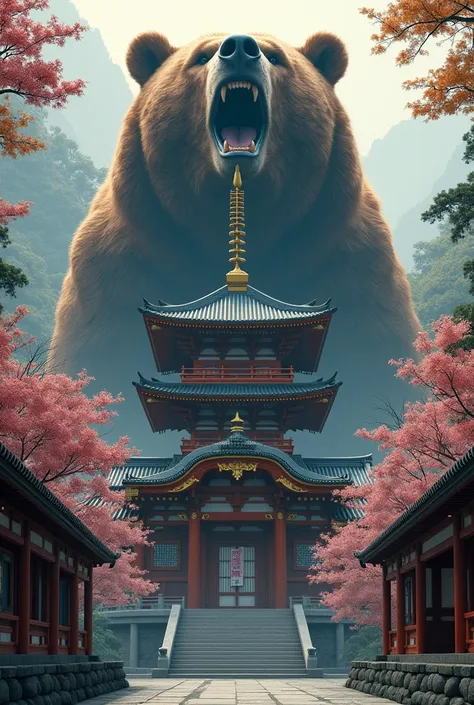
[437, 281]
[456, 205]
[365, 645]
[456, 208]
[104, 642]
[465, 312]
[11, 277]
[60, 182]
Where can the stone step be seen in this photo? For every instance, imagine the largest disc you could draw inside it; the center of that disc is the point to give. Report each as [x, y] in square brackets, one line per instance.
[235, 674]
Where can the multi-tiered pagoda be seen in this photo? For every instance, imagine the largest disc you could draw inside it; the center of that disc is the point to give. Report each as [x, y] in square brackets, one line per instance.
[235, 516]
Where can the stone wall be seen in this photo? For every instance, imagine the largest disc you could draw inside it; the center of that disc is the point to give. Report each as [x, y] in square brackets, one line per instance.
[150, 639]
[414, 683]
[59, 684]
[323, 637]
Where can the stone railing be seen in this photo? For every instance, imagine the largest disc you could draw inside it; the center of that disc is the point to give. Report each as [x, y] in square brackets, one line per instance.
[165, 652]
[309, 652]
[159, 602]
[309, 604]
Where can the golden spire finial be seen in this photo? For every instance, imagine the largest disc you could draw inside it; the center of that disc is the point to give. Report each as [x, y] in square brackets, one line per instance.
[237, 279]
[237, 424]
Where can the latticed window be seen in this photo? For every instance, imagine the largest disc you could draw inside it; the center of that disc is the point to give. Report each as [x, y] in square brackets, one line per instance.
[166, 555]
[304, 558]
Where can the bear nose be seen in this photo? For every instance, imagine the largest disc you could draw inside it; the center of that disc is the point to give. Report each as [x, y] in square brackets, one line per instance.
[239, 50]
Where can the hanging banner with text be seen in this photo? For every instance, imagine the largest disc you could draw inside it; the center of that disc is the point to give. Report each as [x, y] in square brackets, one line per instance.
[237, 567]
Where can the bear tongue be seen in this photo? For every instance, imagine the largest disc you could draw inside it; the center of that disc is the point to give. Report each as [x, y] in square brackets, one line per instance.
[238, 136]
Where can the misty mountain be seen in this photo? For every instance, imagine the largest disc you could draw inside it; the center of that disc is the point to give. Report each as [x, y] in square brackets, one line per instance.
[410, 228]
[410, 165]
[94, 119]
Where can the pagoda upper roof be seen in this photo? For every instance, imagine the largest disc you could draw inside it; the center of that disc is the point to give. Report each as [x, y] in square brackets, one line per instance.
[165, 402]
[233, 307]
[236, 391]
[316, 471]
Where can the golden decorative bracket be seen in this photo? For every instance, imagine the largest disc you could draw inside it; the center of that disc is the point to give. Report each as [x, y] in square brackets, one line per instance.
[237, 468]
[288, 484]
[184, 485]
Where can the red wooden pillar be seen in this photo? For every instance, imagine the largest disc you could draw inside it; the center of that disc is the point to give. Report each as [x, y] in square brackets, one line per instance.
[386, 612]
[53, 640]
[88, 585]
[400, 610]
[74, 633]
[194, 560]
[281, 600]
[24, 593]
[459, 588]
[420, 603]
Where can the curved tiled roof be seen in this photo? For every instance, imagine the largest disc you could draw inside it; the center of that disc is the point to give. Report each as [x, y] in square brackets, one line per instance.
[442, 489]
[224, 306]
[15, 470]
[238, 444]
[237, 391]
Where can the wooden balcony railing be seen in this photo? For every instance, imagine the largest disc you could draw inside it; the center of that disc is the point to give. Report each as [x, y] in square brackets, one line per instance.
[82, 641]
[410, 639]
[64, 639]
[8, 633]
[392, 641]
[224, 373]
[39, 636]
[205, 439]
[469, 617]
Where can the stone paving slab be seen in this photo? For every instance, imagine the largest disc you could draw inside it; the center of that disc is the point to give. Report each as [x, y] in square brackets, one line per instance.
[171, 691]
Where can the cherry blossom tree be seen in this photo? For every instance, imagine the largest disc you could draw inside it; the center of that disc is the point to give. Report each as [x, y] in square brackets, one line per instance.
[26, 75]
[46, 420]
[433, 434]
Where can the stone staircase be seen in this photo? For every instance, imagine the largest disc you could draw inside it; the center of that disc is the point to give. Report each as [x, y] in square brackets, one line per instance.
[237, 643]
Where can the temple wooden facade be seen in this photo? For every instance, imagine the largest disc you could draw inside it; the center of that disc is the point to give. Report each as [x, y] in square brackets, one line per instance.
[427, 559]
[235, 516]
[45, 554]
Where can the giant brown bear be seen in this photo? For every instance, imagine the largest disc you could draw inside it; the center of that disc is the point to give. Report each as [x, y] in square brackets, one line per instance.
[157, 228]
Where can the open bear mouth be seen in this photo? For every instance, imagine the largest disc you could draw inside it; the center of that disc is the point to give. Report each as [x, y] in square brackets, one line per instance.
[238, 118]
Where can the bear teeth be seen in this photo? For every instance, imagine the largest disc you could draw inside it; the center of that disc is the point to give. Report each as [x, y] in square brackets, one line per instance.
[239, 84]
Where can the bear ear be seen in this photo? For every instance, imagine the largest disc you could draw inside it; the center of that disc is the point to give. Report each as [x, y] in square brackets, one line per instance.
[146, 53]
[328, 54]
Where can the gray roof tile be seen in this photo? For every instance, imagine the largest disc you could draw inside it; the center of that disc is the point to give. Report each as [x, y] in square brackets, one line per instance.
[224, 306]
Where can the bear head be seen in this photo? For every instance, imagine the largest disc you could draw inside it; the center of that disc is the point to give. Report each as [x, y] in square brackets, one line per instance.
[254, 100]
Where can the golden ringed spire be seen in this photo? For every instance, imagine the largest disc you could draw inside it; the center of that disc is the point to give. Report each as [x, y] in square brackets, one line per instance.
[237, 279]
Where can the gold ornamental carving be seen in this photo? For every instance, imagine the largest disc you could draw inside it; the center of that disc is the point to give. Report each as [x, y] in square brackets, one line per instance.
[205, 516]
[289, 484]
[194, 515]
[131, 493]
[237, 468]
[290, 517]
[184, 485]
[183, 517]
[268, 516]
[280, 515]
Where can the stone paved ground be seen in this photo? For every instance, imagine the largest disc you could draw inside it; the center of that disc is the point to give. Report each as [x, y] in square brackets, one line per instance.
[237, 692]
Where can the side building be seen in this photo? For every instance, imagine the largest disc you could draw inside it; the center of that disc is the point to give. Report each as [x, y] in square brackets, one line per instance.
[47, 557]
[235, 516]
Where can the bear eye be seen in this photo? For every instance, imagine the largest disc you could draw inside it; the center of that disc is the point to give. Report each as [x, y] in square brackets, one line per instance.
[273, 60]
[203, 60]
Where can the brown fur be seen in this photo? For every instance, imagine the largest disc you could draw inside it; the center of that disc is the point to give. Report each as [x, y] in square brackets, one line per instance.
[157, 226]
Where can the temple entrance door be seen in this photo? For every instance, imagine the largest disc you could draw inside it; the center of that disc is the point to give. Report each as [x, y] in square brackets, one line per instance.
[251, 590]
[237, 591]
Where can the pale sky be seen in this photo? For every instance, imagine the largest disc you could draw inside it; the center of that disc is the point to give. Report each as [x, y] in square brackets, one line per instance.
[371, 91]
